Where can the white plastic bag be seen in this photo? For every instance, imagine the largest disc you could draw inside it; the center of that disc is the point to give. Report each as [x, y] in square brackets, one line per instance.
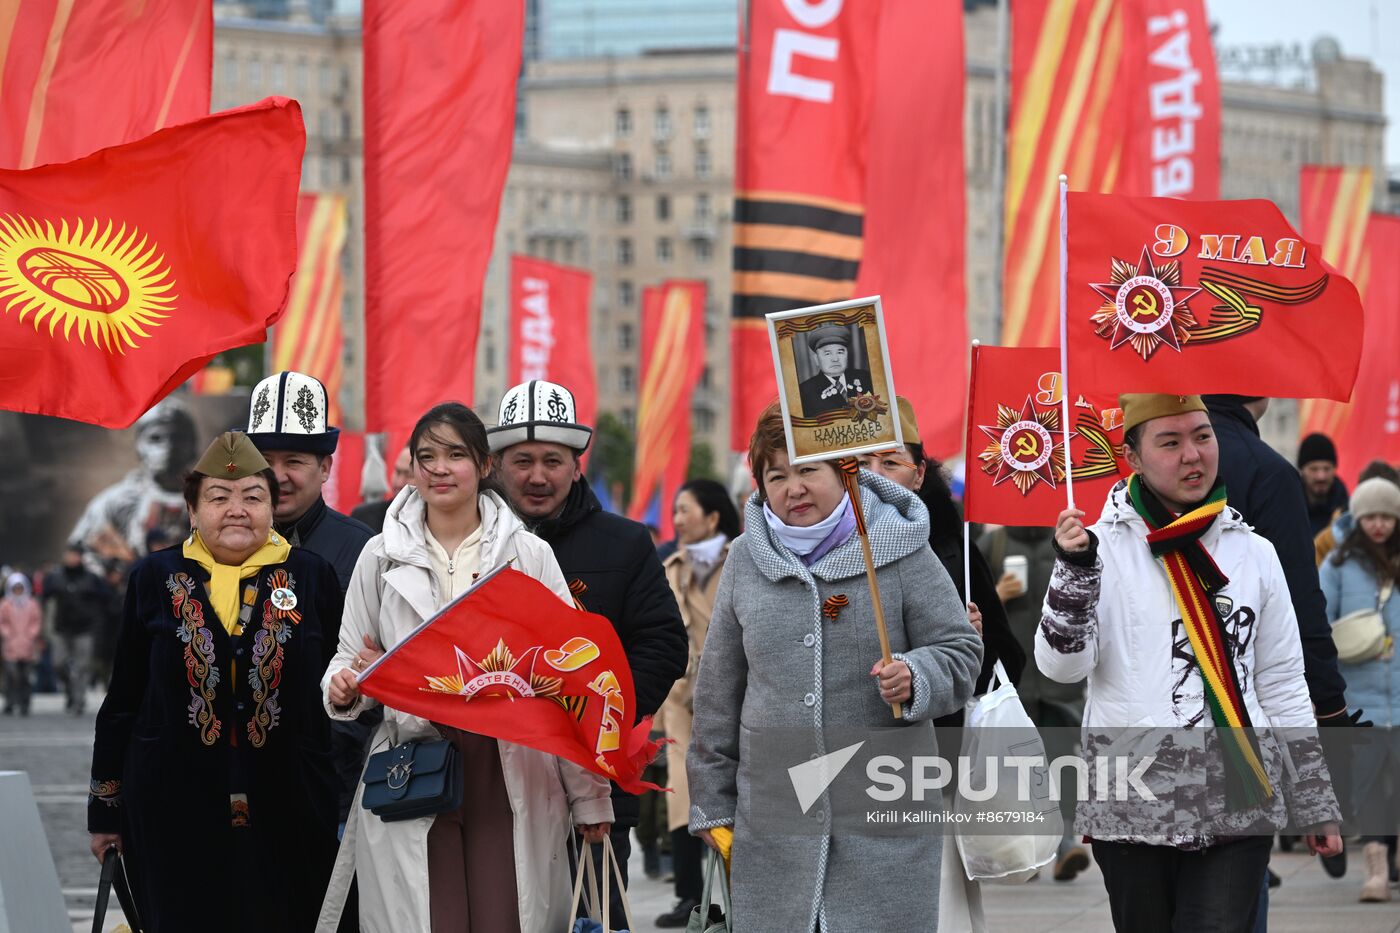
[996, 726]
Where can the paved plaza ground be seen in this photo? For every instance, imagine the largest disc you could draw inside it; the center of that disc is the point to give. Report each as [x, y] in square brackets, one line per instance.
[55, 749]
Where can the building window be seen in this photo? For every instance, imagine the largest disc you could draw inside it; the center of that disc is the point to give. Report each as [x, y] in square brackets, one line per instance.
[626, 336]
[626, 294]
[702, 162]
[228, 71]
[624, 251]
[704, 420]
[663, 249]
[278, 72]
[303, 77]
[626, 381]
[704, 249]
[327, 78]
[702, 121]
[663, 165]
[706, 378]
[702, 207]
[663, 123]
[254, 73]
[663, 207]
[624, 122]
[629, 418]
[622, 168]
[624, 209]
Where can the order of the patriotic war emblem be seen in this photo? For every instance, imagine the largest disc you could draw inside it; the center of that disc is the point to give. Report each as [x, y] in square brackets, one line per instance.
[1024, 446]
[1144, 306]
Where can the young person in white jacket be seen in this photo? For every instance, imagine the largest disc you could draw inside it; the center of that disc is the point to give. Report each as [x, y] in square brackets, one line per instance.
[500, 862]
[1180, 618]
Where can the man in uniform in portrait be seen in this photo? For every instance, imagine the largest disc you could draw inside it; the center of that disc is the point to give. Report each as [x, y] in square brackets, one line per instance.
[836, 383]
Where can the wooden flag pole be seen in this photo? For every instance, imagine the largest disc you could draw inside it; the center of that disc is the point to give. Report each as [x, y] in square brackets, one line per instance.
[849, 468]
[1064, 334]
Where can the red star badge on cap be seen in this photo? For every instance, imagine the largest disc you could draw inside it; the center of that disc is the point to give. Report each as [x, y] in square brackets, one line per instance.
[231, 467]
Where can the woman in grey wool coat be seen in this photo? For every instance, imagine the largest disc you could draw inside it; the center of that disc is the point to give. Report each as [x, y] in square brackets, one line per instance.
[774, 660]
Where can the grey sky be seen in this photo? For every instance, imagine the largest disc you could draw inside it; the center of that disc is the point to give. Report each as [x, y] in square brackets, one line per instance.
[1364, 28]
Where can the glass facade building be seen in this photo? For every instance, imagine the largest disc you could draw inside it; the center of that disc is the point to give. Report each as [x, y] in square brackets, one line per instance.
[591, 28]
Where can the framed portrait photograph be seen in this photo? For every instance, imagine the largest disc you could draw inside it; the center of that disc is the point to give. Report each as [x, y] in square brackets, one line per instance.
[834, 380]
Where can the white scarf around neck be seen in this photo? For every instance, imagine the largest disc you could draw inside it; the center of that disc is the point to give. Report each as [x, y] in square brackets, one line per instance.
[703, 555]
[803, 541]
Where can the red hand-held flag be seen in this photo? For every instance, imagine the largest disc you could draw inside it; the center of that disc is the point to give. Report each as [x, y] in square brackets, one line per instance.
[509, 659]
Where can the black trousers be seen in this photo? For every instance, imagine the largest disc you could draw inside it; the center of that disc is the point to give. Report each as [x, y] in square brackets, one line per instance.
[1162, 889]
[688, 859]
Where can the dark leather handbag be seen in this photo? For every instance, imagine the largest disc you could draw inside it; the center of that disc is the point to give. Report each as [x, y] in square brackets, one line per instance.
[412, 780]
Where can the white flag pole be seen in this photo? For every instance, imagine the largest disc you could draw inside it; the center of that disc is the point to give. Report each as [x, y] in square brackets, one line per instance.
[1064, 334]
[967, 467]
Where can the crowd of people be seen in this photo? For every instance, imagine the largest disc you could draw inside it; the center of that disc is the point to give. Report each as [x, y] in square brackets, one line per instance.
[233, 731]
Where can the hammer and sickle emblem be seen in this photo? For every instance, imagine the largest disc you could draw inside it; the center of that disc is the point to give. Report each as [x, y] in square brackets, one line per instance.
[1027, 446]
[1145, 303]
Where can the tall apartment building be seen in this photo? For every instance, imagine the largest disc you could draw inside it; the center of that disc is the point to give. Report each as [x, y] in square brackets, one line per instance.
[308, 51]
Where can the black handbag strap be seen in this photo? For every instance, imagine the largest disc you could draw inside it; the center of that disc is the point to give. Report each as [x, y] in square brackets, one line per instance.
[104, 888]
[114, 876]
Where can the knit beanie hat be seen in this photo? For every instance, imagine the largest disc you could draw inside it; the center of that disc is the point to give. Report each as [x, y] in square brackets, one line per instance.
[1317, 447]
[1376, 497]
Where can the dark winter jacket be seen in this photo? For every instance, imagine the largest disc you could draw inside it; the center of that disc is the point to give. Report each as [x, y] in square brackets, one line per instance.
[77, 599]
[946, 539]
[372, 513]
[212, 752]
[1266, 490]
[338, 540]
[613, 570]
[1023, 613]
[1321, 514]
[335, 538]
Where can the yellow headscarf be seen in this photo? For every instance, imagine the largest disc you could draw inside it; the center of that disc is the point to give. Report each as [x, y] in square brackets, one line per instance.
[224, 579]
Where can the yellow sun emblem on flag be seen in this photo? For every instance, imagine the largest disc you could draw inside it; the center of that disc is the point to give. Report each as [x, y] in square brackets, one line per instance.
[108, 282]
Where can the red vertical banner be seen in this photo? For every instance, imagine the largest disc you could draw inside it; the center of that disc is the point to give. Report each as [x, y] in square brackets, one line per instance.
[1120, 95]
[342, 490]
[915, 211]
[550, 336]
[439, 98]
[1016, 441]
[1174, 147]
[1334, 212]
[79, 75]
[673, 357]
[310, 336]
[1368, 427]
[806, 81]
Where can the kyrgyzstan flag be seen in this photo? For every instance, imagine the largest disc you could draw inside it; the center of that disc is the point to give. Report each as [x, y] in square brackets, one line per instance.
[1204, 296]
[122, 273]
[511, 660]
[1016, 441]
